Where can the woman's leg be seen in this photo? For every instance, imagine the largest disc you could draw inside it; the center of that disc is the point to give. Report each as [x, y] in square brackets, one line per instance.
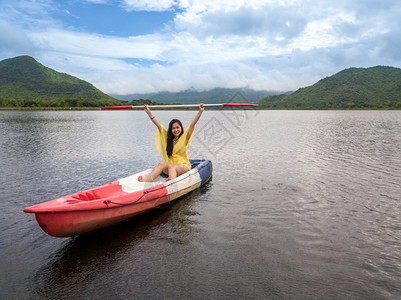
[175, 171]
[161, 167]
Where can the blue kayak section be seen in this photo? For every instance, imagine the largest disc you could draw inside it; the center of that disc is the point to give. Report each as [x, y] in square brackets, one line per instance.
[204, 167]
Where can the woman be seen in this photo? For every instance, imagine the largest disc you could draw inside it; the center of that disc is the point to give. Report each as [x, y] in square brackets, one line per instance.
[172, 145]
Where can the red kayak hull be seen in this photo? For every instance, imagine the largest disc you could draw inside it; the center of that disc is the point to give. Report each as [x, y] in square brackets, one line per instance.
[72, 223]
[106, 205]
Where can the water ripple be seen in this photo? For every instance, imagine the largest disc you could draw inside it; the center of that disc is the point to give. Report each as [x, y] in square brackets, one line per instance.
[303, 204]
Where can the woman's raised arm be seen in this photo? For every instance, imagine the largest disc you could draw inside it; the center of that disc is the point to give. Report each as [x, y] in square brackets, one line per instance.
[195, 120]
[152, 117]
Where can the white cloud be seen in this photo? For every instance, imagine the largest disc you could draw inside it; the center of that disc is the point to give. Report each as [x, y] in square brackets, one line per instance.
[14, 41]
[277, 45]
[269, 20]
[148, 5]
[146, 47]
[29, 14]
[99, 1]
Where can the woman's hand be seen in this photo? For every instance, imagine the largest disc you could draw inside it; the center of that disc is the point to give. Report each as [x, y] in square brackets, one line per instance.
[152, 117]
[195, 120]
[146, 108]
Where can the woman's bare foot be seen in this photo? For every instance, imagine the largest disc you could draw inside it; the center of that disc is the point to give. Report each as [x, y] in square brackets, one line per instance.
[140, 179]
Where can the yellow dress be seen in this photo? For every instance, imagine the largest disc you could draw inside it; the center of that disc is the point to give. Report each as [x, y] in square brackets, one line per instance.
[180, 154]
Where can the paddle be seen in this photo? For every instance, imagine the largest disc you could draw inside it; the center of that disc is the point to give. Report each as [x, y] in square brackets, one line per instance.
[180, 105]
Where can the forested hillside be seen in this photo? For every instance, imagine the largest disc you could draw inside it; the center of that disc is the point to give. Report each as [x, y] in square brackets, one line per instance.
[26, 83]
[355, 88]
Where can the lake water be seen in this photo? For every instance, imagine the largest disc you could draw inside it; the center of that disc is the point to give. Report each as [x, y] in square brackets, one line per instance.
[302, 205]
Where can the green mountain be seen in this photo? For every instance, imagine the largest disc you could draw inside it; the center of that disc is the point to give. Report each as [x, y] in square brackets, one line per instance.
[355, 88]
[217, 95]
[26, 83]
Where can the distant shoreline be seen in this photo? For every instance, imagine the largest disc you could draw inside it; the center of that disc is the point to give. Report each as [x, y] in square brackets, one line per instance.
[253, 108]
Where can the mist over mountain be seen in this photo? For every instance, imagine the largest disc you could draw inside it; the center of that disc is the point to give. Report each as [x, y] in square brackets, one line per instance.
[191, 96]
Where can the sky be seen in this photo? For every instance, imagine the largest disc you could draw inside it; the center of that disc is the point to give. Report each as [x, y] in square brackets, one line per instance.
[145, 46]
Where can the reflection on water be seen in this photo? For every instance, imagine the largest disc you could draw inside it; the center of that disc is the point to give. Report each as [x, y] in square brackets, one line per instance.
[303, 204]
[86, 258]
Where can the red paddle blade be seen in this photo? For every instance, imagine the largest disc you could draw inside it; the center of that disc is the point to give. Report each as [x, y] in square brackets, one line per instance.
[239, 104]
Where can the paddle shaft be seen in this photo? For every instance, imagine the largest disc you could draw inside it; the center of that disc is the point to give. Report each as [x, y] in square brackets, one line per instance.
[179, 106]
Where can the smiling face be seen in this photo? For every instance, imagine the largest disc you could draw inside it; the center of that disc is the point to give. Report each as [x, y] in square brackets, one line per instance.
[176, 130]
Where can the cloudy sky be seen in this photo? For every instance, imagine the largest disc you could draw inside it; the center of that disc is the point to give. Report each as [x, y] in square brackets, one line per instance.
[141, 46]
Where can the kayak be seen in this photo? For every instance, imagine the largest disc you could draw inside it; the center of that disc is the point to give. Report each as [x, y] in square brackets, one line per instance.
[114, 202]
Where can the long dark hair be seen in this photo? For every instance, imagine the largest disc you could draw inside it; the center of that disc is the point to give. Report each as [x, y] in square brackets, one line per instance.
[170, 136]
